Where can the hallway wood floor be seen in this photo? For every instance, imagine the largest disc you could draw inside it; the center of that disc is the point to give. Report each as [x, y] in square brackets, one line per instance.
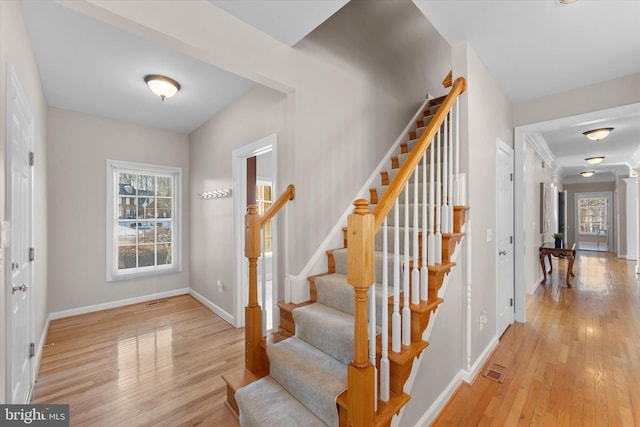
[576, 362]
[141, 365]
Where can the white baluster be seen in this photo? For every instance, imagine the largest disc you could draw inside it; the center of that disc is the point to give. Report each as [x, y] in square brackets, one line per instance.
[438, 236]
[384, 358]
[431, 251]
[406, 311]
[444, 216]
[372, 340]
[424, 271]
[415, 271]
[450, 171]
[264, 287]
[395, 317]
[458, 199]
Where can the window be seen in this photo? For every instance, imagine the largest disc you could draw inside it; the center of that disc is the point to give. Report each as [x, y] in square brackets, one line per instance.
[143, 220]
[263, 201]
[592, 214]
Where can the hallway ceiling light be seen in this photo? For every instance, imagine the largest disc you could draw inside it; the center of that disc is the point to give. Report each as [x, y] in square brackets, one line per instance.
[595, 160]
[587, 174]
[162, 86]
[567, 1]
[597, 134]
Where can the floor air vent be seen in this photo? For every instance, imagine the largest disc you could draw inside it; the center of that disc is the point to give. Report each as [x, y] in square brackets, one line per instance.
[496, 372]
[158, 302]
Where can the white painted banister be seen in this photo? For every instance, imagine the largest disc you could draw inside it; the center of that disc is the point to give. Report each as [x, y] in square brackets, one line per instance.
[424, 271]
[458, 198]
[438, 209]
[415, 271]
[384, 357]
[445, 177]
[450, 178]
[431, 254]
[264, 285]
[406, 311]
[395, 317]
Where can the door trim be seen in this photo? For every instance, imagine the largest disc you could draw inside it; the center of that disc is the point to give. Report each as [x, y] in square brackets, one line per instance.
[239, 173]
[16, 97]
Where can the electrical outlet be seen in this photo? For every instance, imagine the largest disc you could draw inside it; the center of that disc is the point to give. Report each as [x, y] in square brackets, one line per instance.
[483, 319]
[220, 285]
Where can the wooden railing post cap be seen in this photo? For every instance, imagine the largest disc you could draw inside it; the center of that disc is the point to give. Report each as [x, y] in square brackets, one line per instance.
[292, 191]
[362, 207]
[463, 83]
[252, 210]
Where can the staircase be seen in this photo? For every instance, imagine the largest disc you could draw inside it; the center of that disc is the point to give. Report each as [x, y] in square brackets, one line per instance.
[323, 368]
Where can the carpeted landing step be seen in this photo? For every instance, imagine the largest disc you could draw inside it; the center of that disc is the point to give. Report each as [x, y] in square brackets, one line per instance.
[266, 403]
[308, 375]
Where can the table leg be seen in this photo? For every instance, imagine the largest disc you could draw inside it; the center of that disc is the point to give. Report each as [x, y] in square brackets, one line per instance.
[569, 270]
[550, 264]
[544, 268]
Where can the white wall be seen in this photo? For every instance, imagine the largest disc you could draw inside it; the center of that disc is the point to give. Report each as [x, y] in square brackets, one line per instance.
[79, 146]
[260, 112]
[489, 117]
[600, 96]
[352, 89]
[15, 49]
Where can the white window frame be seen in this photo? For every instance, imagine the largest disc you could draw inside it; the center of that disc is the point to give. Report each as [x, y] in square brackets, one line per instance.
[113, 168]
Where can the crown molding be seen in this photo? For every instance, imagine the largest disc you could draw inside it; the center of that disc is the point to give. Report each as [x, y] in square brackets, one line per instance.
[539, 144]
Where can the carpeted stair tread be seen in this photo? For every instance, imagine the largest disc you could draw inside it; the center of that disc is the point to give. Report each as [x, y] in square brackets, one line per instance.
[340, 258]
[311, 376]
[390, 231]
[267, 403]
[334, 291]
[327, 329]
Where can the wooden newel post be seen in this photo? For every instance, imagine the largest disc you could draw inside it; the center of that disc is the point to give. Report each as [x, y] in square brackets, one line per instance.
[360, 275]
[253, 311]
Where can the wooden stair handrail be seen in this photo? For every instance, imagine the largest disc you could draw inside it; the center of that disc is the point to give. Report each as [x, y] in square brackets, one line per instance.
[448, 81]
[390, 196]
[287, 195]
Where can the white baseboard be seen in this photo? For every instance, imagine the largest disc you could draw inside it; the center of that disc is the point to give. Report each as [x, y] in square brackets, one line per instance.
[39, 348]
[114, 304]
[469, 376]
[437, 406]
[211, 306]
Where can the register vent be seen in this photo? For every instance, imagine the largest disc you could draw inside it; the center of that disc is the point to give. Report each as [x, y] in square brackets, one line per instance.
[158, 302]
[496, 372]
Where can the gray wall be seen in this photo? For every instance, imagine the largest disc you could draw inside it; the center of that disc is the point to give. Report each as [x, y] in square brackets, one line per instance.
[15, 49]
[79, 146]
[352, 89]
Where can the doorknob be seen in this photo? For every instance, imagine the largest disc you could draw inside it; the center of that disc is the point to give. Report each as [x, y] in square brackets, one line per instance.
[22, 288]
[502, 252]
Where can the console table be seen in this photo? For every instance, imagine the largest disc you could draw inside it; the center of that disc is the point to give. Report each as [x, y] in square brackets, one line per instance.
[548, 249]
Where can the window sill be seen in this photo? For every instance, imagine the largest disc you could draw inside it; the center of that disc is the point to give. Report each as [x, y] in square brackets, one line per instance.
[143, 274]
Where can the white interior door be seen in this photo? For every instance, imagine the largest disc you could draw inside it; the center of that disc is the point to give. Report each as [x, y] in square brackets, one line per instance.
[504, 239]
[18, 264]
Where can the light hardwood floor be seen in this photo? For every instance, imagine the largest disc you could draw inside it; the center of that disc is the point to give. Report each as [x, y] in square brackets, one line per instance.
[141, 365]
[576, 362]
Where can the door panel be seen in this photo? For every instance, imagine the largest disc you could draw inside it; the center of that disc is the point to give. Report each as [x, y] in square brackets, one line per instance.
[504, 233]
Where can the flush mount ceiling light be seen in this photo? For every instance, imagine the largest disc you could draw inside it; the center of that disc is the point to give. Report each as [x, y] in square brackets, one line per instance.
[567, 1]
[587, 174]
[162, 86]
[597, 134]
[595, 160]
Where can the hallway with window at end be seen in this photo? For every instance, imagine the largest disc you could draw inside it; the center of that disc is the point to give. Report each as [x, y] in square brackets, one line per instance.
[576, 362]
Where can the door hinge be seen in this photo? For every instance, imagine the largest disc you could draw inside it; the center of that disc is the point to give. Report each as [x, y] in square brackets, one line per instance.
[511, 239]
[511, 177]
[31, 158]
[32, 254]
[510, 302]
[32, 349]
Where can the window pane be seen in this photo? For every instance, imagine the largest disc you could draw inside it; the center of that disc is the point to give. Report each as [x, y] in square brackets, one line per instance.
[164, 186]
[146, 255]
[147, 232]
[146, 185]
[126, 184]
[126, 257]
[164, 254]
[126, 233]
[164, 231]
[163, 208]
[127, 208]
[146, 207]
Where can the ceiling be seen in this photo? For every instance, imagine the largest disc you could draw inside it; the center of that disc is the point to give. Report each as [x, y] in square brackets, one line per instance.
[533, 48]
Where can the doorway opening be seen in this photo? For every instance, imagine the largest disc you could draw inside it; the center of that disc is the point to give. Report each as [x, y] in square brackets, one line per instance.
[255, 182]
[593, 217]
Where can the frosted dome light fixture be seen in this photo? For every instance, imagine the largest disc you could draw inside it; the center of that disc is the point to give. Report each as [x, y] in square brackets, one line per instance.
[587, 174]
[597, 134]
[162, 86]
[595, 160]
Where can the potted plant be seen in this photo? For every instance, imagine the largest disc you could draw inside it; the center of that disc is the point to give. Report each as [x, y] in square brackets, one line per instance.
[558, 237]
